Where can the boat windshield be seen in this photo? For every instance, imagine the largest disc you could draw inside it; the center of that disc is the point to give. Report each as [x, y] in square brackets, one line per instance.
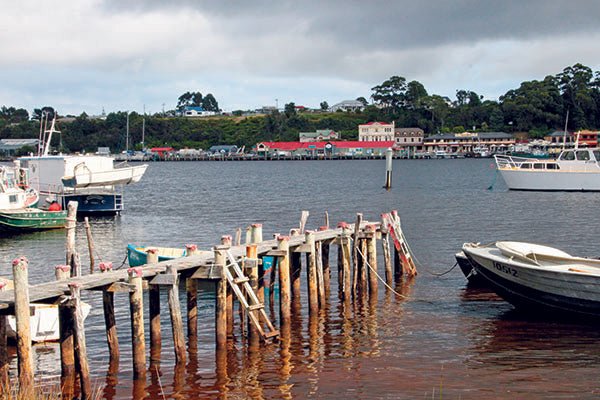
[583, 155]
[596, 154]
[567, 156]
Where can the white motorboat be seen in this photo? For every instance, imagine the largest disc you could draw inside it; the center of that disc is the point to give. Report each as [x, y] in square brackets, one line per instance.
[43, 322]
[538, 277]
[15, 193]
[574, 170]
[91, 180]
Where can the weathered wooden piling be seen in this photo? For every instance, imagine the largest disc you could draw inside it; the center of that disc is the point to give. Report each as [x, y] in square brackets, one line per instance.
[311, 266]
[90, 241]
[355, 246]
[136, 306]
[25, 360]
[226, 243]
[154, 311]
[251, 271]
[325, 260]
[319, 268]
[345, 250]
[283, 245]
[65, 326]
[108, 304]
[72, 256]
[295, 269]
[371, 241]
[385, 248]
[191, 290]
[363, 267]
[80, 345]
[256, 237]
[221, 301]
[175, 312]
[4, 365]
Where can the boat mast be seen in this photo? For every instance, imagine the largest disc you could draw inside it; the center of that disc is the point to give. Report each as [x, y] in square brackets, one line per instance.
[565, 131]
[143, 126]
[49, 137]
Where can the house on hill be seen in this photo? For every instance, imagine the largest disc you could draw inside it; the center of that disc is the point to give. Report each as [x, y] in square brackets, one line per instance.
[318, 136]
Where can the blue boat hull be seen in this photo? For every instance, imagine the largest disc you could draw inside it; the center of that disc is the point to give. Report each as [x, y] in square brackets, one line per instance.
[137, 256]
[94, 204]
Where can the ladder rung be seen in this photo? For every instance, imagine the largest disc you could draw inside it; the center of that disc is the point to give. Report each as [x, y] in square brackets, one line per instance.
[255, 307]
[271, 334]
[241, 280]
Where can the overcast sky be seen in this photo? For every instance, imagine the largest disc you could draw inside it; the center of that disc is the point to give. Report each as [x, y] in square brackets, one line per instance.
[90, 55]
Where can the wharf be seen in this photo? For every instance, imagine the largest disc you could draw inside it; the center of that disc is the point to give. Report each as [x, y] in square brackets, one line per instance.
[239, 278]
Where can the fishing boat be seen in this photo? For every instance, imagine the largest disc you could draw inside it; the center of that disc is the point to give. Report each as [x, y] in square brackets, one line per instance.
[17, 202]
[574, 170]
[94, 181]
[539, 277]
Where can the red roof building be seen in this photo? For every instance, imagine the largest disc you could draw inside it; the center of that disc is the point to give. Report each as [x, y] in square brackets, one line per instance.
[333, 147]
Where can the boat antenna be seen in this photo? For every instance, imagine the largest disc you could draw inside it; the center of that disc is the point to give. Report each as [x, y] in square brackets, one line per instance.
[565, 131]
[42, 134]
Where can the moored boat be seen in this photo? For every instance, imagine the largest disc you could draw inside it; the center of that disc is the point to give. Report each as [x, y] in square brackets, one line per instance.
[573, 170]
[92, 180]
[137, 255]
[31, 219]
[538, 277]
[467, 268]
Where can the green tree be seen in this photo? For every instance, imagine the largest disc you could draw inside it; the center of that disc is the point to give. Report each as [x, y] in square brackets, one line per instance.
[290, 109]
[391, 94]
[324, 106]
[209, 103]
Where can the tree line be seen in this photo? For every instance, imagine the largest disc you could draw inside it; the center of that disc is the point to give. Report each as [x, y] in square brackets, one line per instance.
[536, 107]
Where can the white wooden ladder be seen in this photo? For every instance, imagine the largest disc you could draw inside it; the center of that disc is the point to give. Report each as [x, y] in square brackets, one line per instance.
[255, 309]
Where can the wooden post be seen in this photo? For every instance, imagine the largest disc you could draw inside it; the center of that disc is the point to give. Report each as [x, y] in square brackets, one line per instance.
[372, 259]
[226, 241]
[325, 261]
[136, 307]
[363, 259]
[65, 325]
[385, 247]
[296, 270]
[108, 301]
[283, 244]
[191, 289]
[155, 332]
[251, 271]
[154, 310]
[151, 255]
[256, 238]
[4, 364]
[345, 258]
[90, 240]
[72, 256]
[25, 361]
[311, 263]
[221, 302]
[319, 269]
[355, 245]
[80, 346]
[176, 319]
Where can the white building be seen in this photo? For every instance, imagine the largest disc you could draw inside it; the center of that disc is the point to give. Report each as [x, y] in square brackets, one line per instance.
[376, 132]
[347, 105]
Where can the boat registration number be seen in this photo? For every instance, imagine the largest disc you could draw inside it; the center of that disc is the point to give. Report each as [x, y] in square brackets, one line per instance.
[505, 268]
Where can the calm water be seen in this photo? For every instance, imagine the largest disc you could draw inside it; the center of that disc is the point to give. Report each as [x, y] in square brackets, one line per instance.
[443, 340]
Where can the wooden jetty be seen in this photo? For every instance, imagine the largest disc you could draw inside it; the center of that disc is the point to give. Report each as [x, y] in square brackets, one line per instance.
[236, 272]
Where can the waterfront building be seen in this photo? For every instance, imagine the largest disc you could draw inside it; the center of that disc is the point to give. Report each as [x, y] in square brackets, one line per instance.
[468, 142]
[323, 149]
[319, 135]
[347, 105]
[376, 132]
[559, 138]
